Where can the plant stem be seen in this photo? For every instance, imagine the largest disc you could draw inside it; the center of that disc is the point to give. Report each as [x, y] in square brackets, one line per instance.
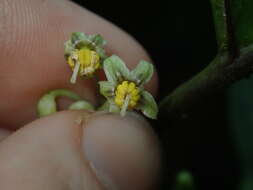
[217, 75]
[47, 103]
[230, 65]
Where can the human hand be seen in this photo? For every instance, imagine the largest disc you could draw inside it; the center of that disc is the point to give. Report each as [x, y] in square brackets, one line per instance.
[70, 149]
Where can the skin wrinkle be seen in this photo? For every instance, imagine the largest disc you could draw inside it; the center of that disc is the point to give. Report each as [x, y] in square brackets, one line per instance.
[62, 151]
[28, 72]
[57, 141]
[140, 143]
[81, 122]
[5, 18]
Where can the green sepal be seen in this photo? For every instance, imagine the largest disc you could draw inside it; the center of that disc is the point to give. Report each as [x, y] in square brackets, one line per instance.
[99, 42]
[148, 105]
[81, 105]
[80, 40]
[101, 52]
[94, 41]
[113, 108]
[142, 73]
[97, 39]
[77, 37]
[115, 70]
[104, 107]
[109, 106]
[106, 89]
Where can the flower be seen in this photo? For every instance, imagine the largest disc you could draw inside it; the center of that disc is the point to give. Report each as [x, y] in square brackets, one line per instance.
[84, 54]
[124, 89]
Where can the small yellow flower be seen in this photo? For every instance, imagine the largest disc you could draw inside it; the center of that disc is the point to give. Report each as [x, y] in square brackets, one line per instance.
[127, 93]
[83, 62]
[124, 89]
[84, 54]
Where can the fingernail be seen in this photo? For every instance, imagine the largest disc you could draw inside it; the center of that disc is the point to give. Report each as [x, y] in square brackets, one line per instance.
[123, 152]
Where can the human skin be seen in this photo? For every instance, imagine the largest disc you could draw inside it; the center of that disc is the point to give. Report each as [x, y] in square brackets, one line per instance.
[70, 149]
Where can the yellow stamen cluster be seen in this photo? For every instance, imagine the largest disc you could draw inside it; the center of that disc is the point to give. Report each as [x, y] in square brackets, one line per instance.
[87, 59]
[127, 89]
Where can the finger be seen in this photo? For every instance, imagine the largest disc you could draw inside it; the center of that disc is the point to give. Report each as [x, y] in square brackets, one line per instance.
[32, 33]
[4, 133]
[74, 150]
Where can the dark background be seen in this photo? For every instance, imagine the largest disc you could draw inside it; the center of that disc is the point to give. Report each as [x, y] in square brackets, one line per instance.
[180, 37]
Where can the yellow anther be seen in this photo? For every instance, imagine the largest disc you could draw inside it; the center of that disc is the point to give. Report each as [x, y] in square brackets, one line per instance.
[87, 59]
[127, 89]
[71, 62]
[131, 87]
[83, 62]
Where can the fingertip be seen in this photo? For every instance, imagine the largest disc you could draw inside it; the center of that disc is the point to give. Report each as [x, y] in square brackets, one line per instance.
[31, 53]
[118, 147]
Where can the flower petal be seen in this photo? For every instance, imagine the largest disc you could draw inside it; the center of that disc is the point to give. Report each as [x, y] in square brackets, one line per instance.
[106, 89]
[115, 70]
[142, 73]
[148, 105]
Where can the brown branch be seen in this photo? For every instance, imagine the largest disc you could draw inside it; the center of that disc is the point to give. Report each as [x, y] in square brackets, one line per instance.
[218, 75]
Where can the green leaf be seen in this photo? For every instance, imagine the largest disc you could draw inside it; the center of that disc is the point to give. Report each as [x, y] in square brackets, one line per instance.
[81, 105]
[106, 89]
[148, 105]
[240, 119]
[240, 96]
[115, 70]
[142, 73]
[233, 22]
[242, 16]
[220, 23]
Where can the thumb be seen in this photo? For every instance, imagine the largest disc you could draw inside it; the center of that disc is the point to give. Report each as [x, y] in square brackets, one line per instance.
[81, 151]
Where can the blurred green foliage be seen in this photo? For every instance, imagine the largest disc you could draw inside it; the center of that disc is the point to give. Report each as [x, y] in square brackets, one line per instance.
[240, 95]
[180, 37]
[242, 20]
